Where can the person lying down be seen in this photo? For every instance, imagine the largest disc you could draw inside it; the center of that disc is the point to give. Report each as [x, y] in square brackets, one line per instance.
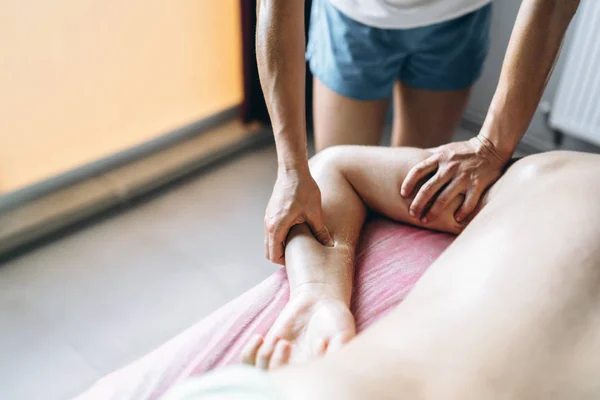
[511, 310]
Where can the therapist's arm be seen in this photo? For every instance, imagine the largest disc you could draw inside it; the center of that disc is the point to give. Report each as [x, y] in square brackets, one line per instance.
[531, 54]
[296, 198]
[469, 168]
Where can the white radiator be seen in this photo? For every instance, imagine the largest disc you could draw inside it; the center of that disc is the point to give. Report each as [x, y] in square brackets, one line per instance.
[576, 110]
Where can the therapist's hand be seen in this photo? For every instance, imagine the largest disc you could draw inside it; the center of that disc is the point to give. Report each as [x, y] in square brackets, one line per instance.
[296, 199]
[461, 168]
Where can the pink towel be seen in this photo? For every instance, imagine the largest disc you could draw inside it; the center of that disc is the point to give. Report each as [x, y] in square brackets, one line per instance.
[391, 257]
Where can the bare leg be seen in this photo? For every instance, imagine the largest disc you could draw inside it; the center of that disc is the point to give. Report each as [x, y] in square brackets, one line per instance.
[317, 318]
[509, 311]
[426, 118]
[321, 278]
[342, 120]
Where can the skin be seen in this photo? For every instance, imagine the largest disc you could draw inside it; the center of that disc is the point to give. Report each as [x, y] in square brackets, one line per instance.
[341, 120]
[508, 311]
[469, 168]
[422, 118]
[321, 277]
[426, 118]
[463, 169]
[296, 198]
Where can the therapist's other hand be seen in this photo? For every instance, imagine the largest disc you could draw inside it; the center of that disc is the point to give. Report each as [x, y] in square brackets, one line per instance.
[462, 168]
[296, 199]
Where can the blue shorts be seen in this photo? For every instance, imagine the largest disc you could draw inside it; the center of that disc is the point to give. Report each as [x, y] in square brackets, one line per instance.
[363, 62]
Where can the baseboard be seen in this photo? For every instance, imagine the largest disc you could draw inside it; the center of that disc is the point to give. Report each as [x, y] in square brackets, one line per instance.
[38, 214]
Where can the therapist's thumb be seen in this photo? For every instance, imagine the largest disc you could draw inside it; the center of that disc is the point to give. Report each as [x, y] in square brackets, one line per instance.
[318, 228]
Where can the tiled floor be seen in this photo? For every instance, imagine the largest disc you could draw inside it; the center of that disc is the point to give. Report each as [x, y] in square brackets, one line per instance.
[84, 305]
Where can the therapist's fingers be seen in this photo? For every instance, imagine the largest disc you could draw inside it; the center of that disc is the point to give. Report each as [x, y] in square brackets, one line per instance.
[281, 354]
[317, 225]
[455, 188]
[276, 232]
[263, 357]
[417, 173]
[469, 205]
[428, 191]
[251, 350]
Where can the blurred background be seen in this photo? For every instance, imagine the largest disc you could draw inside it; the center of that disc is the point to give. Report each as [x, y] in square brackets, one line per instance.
[136, 162]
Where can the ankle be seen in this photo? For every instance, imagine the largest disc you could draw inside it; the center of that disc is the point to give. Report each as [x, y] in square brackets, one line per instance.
[321, 290]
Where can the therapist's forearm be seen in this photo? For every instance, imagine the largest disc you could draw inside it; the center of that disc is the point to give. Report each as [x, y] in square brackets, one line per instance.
[532, 51]
[280, 47]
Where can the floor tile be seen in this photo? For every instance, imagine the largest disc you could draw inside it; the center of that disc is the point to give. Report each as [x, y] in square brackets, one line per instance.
[116, 292]
[35, 360]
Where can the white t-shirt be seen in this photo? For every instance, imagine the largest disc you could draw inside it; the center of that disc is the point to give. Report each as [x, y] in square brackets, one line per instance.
[404, 14]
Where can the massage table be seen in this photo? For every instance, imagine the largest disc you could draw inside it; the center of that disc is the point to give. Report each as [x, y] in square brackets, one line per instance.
[391, 257]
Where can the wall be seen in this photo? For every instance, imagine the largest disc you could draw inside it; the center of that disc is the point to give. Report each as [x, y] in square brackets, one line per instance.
[82, 79]
[504, 15]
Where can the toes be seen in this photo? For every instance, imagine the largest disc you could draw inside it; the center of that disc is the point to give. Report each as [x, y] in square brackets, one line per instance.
[337, 342]
[265, 353]
[281, 354]
[334, 344]
[319, 347]
[251, 350]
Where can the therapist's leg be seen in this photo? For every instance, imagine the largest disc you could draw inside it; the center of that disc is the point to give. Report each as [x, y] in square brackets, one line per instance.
[426, 118]
[354, 70]
[434, 84]
[342, 120]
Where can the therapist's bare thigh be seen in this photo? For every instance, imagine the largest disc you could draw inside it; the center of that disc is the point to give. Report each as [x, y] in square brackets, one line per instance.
[340, 120]
[426, 118]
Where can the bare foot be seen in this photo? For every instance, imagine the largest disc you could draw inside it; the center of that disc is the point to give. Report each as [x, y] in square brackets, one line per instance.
[310, 325]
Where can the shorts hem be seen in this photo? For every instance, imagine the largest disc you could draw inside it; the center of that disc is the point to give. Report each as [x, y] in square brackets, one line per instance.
[450, 85]
[342, 89]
